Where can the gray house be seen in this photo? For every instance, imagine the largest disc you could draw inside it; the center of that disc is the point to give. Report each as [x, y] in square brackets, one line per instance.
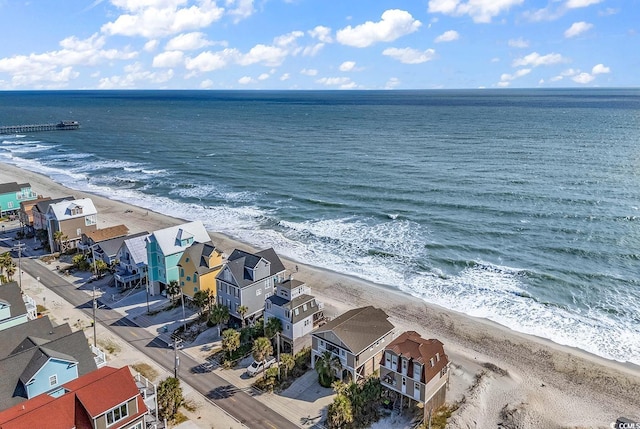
[247, 280]
[298, 310]
[358, 338]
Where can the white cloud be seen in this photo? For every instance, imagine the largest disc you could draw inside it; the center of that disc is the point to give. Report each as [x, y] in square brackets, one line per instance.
[288, 39]
[447, 36]
[321, 33]
[311, 51]
[151, 45]
[209, 61]
[341, 82]
[574, 4]
[518, 43]
[168, 59]
[56, 67]
[577, 28]
[509, 77]
[600, 69]
[285, 76]
[347, 66]
[264, 76]
[503, 83]
[309, 72]
[206, 84]
[393, 25]
[583, 78]
[271, 56]
[135, 73]
[479, 10]
[410, 55]
[535, 59]
[392, 83]
[245, 80]
[188, 42]
[243, 9]
[151, 19]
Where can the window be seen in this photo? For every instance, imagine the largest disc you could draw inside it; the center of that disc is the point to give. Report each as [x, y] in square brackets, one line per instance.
[188, 278]
[321, 342]
[195, 289]
[394, 361]
[186, 259]
[268, 305]
[431, 362]
[137, 426]
[181, 272]
[195, 277]
[258, 292]
[117, 414]
[416, 387]
[53, 380]
[387, 359]
[296, 311]
[437, 357]
[304, 307]
[90, 220]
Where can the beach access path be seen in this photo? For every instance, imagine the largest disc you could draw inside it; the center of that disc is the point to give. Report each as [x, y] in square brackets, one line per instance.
[505, 377]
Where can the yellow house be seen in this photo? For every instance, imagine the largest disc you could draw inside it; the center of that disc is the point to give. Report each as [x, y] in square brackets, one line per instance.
[199, 265]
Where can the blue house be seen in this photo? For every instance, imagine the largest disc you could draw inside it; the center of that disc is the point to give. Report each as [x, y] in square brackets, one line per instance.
[37, 357]
[164, 250]
[12, 194]
[16, 308]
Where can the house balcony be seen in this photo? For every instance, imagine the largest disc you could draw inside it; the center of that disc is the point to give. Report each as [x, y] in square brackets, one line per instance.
[126, 276]
[30, 304]
[99, 356]
[335, 351]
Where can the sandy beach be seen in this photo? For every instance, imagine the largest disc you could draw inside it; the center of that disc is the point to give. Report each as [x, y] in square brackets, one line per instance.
[504, 377]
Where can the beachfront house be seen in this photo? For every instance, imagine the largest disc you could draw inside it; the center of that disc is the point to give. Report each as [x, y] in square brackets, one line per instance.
[68, 220]
[246, 280]
[298, 311]
[131, 261]
[41, 362]
[416, 369]
[90, 238]
[164, 250]
[25, 215]
[16, 307]
[106, 398]
[357, 338]
[199, 265]
[39, 211]
[12, 194]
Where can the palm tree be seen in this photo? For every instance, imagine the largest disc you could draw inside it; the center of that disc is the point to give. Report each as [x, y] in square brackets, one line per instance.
[59, 237]
[326, 366]
[272, 327]
[219, 314]
[261, 349]
[287, 362]
[230, 341]
[11, 270]
[242, 310]
[201, 300]
[99, 267]
[173, 289]
[5, 262]
[340, 412]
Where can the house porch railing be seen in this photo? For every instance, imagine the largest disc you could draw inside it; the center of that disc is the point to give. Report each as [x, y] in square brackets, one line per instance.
[99, 356]
[32, 307]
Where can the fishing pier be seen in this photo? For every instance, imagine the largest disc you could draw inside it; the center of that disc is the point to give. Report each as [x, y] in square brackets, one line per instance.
[60, 126]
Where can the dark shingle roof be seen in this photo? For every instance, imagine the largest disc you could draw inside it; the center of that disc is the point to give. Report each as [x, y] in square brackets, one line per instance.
[6, 188]
[21, 365]
[239, 260]
[11, 338]
[43, 206]
[359, 328]
[10, 292]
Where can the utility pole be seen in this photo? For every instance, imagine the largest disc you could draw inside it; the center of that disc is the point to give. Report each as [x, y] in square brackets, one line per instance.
[176, 358]
[184, 320]
[19, 246]
[94, 317]
[146, 274]
[95, 266]
[278, 345]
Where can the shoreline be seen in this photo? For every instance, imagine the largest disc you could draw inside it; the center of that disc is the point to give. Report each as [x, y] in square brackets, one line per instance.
[581, 388]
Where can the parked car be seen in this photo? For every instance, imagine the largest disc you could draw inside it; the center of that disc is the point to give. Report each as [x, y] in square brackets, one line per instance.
[257, 367]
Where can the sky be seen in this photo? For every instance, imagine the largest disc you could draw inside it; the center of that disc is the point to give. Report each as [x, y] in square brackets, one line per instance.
[318, 44]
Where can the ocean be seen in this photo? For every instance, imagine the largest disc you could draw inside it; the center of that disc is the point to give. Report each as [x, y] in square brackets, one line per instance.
[519, 206]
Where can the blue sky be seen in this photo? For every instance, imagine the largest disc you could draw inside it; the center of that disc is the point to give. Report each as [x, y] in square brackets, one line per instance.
[313, 44]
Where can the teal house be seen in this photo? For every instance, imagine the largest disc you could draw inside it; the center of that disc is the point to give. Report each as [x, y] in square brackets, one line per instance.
[12, 194]
[164, 250]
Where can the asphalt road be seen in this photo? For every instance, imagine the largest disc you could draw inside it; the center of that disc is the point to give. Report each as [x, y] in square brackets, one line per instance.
[238, 403]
